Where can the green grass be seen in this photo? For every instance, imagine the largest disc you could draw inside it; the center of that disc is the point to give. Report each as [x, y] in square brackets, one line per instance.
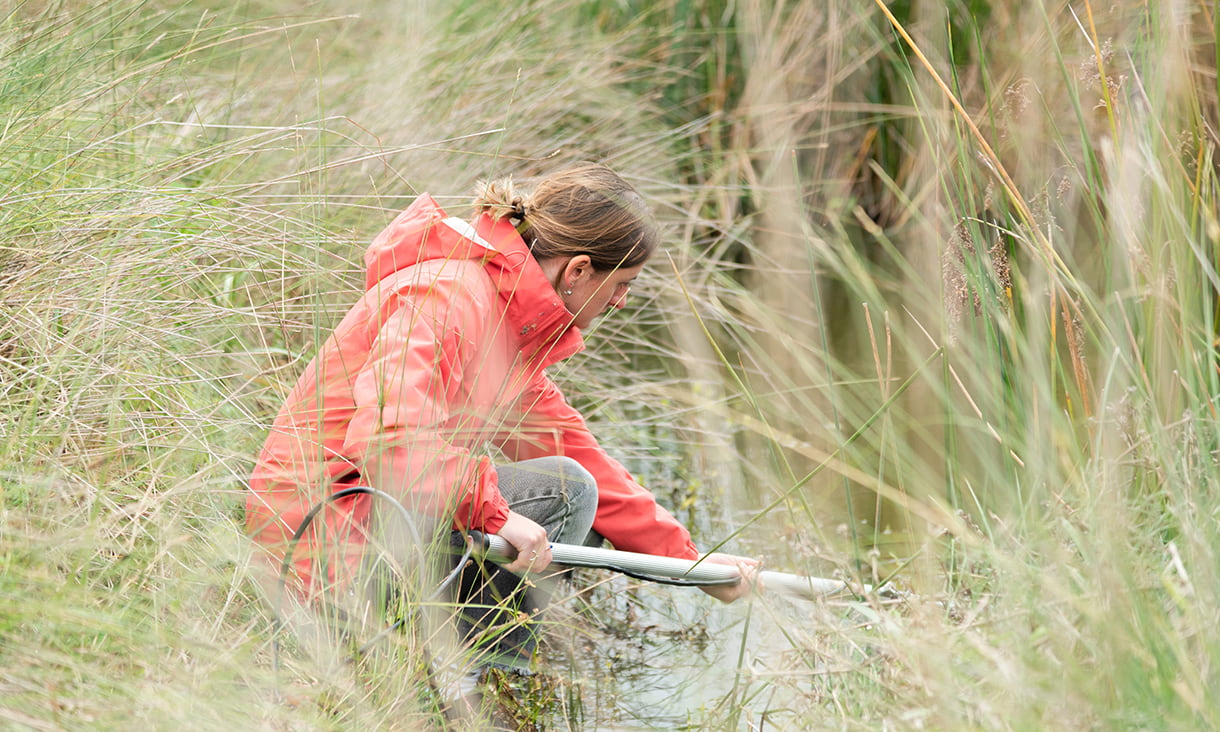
[963, 333]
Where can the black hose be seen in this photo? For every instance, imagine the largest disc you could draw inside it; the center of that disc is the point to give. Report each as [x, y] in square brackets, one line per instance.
[290, 551]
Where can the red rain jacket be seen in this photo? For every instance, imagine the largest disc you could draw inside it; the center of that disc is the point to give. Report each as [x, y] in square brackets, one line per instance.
[442, 355]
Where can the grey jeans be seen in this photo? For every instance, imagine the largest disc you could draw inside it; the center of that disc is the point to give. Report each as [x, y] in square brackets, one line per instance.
[559, 495]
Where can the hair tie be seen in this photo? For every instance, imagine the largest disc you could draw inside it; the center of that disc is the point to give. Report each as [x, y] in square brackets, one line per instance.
[519, 209]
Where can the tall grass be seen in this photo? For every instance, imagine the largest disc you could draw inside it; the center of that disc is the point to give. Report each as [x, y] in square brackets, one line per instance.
[941, 307]
[1040, 263]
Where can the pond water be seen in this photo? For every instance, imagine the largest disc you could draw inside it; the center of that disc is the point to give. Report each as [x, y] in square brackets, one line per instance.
[646, 656]
[623, 654]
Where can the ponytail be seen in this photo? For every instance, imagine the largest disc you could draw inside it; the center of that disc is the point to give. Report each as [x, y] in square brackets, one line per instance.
[588, 209]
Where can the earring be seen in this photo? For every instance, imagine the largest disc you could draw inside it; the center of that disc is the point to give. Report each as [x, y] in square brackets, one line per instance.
[568, 291]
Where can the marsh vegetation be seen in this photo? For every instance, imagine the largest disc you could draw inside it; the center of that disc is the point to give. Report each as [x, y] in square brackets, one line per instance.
[939, 307]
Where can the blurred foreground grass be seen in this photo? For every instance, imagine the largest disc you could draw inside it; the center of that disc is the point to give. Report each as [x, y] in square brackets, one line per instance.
[963, 330]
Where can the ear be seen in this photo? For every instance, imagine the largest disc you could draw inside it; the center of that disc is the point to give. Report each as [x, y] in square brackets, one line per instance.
[577, 268]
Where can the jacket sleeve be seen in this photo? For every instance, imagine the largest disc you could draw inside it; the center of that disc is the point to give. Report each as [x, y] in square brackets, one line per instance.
[628, 515]
[405, 420]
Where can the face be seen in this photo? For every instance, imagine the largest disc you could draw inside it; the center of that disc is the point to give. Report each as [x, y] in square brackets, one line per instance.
[595, 293]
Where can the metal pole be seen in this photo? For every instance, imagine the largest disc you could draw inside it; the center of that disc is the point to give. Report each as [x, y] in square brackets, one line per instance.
[572, 555]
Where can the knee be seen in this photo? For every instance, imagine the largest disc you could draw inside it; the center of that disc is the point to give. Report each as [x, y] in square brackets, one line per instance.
[578, 481]
[580, 488]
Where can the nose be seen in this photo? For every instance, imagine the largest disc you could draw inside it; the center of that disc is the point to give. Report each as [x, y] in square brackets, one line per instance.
[620, 301]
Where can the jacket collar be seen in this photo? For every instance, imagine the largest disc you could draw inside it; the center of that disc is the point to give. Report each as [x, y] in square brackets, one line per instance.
[539, 320]
[534, 315]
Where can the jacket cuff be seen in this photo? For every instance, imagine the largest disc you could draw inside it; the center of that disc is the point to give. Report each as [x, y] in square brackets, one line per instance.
[485, 508]
[690, 551]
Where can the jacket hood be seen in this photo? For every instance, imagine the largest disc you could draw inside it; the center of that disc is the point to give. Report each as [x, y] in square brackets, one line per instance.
[413, 237]
[423, 232]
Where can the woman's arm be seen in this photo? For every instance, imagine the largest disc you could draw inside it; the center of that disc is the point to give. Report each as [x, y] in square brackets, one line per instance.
[627, 514]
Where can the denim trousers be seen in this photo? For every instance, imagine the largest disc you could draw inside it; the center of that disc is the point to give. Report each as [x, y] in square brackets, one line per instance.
[498, 610]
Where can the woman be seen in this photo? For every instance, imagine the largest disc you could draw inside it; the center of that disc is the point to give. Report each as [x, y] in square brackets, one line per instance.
[444, 355]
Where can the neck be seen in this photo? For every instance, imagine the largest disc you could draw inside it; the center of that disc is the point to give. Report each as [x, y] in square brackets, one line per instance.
[553, 269]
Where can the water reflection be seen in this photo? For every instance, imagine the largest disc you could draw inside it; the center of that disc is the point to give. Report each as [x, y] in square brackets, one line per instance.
[648, 657]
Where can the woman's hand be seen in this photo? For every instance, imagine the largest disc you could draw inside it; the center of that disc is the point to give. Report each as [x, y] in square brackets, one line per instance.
[749, 577]
[529, 539]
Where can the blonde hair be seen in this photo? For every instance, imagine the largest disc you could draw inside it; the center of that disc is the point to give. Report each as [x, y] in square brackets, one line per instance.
[587, 209]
